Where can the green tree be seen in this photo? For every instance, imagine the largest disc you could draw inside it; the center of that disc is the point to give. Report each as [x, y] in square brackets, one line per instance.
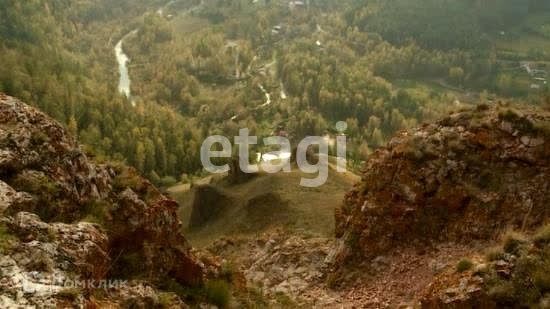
[456, 75]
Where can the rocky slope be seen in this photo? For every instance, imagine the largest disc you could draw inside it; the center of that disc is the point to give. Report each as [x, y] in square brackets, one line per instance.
[428, 205]
[438, 194]
[65, 219]
[514, 274]
[411, 233]
[467, 177]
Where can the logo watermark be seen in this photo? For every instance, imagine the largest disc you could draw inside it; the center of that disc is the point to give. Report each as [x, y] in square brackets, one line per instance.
[278, 161]
[51, 284]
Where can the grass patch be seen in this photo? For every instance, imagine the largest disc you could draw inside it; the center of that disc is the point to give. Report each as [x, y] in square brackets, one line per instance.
[542, 127]
[215, 292]
[227, 272]
[253, 298]
[542, 237]
[464, 265]
[285, 301]
[502, 292]
[47, 192]
[97, 212]
[218, 293]
[7, 240]
[334, 279]
[520, 122]
[529, 279]
[513, 241]
[494, 254]
[71, 294]
[166, 300]
[126, 178]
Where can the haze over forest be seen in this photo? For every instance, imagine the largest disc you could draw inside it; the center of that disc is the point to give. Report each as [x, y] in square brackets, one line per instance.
[445, 104]
[380, 65]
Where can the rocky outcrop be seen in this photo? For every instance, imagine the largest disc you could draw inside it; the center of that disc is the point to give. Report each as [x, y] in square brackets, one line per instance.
[515, 275]
[466, 177]
[43, 259]
[47, 184]
[281, 264]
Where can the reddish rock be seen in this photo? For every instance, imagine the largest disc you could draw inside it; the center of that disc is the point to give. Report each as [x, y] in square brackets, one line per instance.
[47, 184]
[459, 179]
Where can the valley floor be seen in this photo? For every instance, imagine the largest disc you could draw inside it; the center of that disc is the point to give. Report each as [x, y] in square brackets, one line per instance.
[285, 258]
[288, 270]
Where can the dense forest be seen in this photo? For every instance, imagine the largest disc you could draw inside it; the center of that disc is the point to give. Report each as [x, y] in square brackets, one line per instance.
[212, 67]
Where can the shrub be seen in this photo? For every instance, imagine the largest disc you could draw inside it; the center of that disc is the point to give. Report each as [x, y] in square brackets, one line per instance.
[253, 298]
[542, 237]
[36, 183]
[168, 181]
[464, 265]
[190, 294]
[542, 127]
[494, 254]
[69, 293]
[6, 239]
[128, 265]
[334, 280]
[38, 138]
[227, 272]
[40, 261]
[530, 277]
[166, 300]
[541, 277]
[285, 301]
[97, 212]
[218, 293]
[513, 241]
[46, 191]
[518, 120]
[503, 292]
[127, 178]
[482, 107]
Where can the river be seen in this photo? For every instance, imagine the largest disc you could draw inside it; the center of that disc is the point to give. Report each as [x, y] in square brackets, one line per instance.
[122, 59]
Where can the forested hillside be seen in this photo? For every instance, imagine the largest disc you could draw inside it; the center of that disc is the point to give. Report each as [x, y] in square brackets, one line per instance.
[444, 107]
[58, 56]
[200, 68]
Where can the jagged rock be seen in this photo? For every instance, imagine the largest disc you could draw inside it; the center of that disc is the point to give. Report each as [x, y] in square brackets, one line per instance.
[47, 256]
[136, 294]
[508, 281]
[453, 180]
[10, 198]
[47, 184]
[280, 263]
[451, 290]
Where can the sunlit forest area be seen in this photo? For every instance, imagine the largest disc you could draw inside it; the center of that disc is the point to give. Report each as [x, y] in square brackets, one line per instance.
[199, 68]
